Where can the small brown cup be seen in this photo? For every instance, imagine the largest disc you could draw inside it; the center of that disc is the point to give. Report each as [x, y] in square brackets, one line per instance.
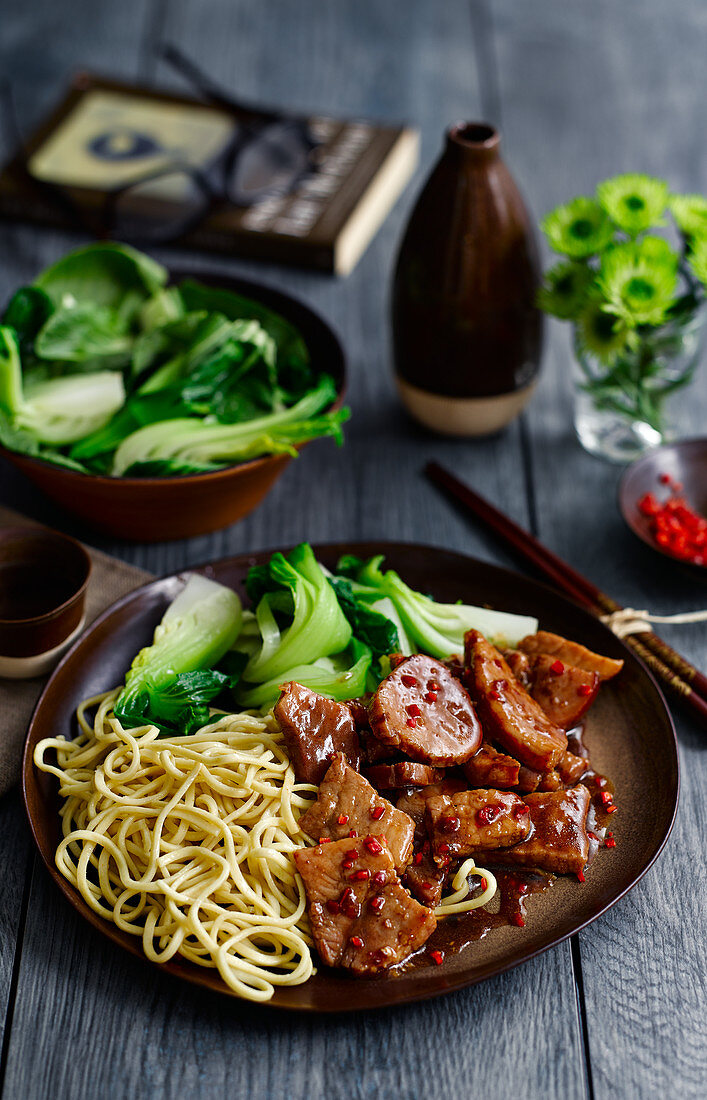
[43, 580]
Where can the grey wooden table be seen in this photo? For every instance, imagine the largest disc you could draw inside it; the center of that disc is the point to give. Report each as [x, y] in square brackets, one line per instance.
[581, 91]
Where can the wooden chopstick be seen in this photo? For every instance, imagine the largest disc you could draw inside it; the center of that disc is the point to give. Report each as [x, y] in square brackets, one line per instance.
[684, 681]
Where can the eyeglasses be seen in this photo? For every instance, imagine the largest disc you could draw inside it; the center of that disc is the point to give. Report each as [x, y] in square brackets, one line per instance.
[269, 154]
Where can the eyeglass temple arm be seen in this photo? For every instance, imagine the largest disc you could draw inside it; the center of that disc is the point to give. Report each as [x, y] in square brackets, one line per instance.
[210, 90]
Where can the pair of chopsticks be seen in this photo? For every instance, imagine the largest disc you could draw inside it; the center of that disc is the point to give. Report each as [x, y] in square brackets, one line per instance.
[676, 674]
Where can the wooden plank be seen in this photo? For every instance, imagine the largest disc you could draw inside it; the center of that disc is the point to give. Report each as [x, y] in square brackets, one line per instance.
[152, 1037]
[590, 91]
[15, 865]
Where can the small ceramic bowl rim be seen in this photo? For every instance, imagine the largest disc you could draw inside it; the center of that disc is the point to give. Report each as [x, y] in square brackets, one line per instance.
[49, 533]
[625, 508]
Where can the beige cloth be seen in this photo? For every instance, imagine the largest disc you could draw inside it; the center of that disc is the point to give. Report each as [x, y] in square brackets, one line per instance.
[110, 579]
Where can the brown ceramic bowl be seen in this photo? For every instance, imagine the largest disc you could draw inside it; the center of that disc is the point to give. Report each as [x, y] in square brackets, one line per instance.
[628, 732]
[684, 462]
[43, 581]
[151, 509]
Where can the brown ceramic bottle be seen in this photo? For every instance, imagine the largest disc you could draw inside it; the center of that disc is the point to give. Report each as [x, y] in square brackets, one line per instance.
[466, 332]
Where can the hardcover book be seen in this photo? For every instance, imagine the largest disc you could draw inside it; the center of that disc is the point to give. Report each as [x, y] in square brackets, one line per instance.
[106, 135]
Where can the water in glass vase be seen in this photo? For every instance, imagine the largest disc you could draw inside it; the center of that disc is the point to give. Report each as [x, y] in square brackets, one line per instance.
[623, 409]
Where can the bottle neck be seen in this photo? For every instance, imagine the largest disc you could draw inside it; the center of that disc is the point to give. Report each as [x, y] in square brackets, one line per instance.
[473, 143]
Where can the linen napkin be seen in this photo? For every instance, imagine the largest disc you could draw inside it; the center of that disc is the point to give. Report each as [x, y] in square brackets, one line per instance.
[110, 579]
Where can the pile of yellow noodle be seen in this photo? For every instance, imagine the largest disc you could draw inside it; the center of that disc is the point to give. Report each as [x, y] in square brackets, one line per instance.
[187, 843]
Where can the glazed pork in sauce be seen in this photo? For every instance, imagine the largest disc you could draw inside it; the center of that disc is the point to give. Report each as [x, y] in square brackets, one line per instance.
[508, 713]
[315, 728]
[361, 917]
[425, 712]
[444, 761]
[348, 806]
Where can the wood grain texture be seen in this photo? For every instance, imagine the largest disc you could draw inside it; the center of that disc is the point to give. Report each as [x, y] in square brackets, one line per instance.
[154, 1037]
[585, 91]
[620, 88]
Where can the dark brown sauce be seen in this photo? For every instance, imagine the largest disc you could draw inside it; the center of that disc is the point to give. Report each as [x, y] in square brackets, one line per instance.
[26, 591]
[517, 885]
[599, 820]
[508, 907]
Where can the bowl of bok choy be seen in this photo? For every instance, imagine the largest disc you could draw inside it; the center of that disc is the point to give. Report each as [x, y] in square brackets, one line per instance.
[158, 406]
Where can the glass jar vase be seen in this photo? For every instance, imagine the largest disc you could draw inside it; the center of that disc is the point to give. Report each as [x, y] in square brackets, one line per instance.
[623, 409]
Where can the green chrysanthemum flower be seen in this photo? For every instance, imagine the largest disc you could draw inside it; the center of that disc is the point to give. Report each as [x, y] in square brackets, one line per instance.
[698, 259]
[601, 333]
[633, 201]
[690, 212]
[657, 252]
[578, 229]
[636, 287]
[565, 290]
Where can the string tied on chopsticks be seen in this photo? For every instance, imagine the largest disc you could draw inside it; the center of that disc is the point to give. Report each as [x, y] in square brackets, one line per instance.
[629, 621]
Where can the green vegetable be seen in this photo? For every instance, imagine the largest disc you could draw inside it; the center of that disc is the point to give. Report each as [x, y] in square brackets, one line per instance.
[293, 590]
[377, 630]
[434, 628]
[206, 377]
[342, 676]
[59, 410]
[295, 369]
[196, 630]
[194, 443]
[26, 312]
[103, 274]
[85, 334]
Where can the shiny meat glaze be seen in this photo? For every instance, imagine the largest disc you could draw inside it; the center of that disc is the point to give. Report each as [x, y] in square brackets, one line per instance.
[347, 802]
[572, 768]
[571, 653]
[461, 824]
[563, 691]
[423, 877]
[402, 773]
[510, 716]
[491, 768]
[425, 712]
[559, 840]
[314, 728]
[360, 916]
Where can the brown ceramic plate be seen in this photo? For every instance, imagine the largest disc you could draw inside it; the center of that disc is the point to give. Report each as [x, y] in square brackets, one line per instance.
[628, 731]
[684, 462]
[154, 509]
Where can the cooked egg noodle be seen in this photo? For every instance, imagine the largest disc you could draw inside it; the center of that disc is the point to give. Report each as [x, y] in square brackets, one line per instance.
[187, 842]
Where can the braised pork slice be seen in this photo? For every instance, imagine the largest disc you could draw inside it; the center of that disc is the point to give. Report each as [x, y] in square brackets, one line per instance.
[314, 728]
[559, 839]
[509, 714]
[528, 779]
[491, 768]
[461, 824]
[359, 711]
[563, 691]
[373, 750]
[423, 878]
[426, 713]
[520, 665]
[572, 768]
[402, 773]
[347, 803]
[360, 916]
[571, 653]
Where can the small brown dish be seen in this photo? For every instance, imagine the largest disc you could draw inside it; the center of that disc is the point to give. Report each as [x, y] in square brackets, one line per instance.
[155, 509]
[684, 463]
[43, 581]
